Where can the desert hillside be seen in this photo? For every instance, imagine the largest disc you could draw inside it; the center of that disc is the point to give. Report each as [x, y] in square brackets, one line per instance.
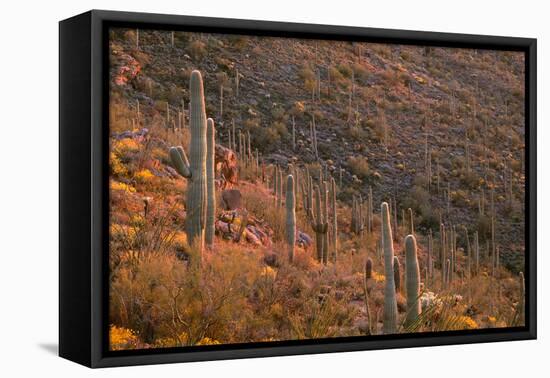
[435, 133]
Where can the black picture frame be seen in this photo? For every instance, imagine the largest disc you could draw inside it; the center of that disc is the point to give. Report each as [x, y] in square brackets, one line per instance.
[83, 196]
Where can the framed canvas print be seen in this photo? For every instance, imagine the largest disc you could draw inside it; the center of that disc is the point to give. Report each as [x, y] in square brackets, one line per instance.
[234, 188]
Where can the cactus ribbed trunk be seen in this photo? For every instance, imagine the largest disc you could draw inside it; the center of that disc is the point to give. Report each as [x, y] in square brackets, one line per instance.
[334, 220]
[290, 204]
[443, 253]
[390, 303]
[397, 274]
[196, 192]
[319, 224]
[324, 197]
[368, 268]
[210, 189]
[412, 280]
[195, 172]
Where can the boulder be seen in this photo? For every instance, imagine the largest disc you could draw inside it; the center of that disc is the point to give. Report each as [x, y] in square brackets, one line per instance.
[226, 165]
[231, 199]
[127, 68]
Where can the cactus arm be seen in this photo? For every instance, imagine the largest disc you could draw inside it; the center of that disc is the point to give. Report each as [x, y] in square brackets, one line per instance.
[180, 162]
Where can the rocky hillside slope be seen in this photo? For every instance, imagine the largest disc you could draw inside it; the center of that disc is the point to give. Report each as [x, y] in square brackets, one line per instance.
[439, 130]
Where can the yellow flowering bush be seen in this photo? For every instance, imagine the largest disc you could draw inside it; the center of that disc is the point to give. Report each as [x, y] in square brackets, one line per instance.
[117, 185]
[126, 145]
[122, 338]
[117, 168]
[144, 175]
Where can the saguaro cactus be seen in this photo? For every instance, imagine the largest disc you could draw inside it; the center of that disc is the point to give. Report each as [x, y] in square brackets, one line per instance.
[318, 224]
[324, 196]
[334, 219]
[368, 268]
[443, 253]
[412, 280]
[290, 204]
[390, 302]
[397, 274]
[210, 189]
[195, 171]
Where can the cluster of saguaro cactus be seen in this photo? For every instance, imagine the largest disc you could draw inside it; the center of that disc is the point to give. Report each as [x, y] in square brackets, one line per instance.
[412, 280]
[196, 172]
[290, 205]
[390, 302]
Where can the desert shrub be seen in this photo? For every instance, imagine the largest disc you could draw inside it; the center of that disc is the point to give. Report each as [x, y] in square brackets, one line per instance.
[279, 114]
[122, 338]
[378, 126]
[419, 200]
[197, 49]
[390, 77]
[281, 129]
[238, 42]
[360, 71]
[308, 76]
[345, 70]
[335, 75]
[357, 134]
[359, 165]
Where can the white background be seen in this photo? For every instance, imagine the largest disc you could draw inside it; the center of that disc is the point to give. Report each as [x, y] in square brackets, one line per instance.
[29, 188]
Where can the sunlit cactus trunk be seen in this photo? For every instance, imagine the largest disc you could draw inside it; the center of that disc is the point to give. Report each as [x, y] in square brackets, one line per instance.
[318, 223]
[210, 188]
[334, 220]
[390, 303]
[412, 280]
[195, 171]
[397, 274]
[290, 205]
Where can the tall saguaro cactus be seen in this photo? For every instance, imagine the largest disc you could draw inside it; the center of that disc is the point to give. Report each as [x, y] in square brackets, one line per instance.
[412, 274]
[334, 220]
[319, 224]
[195, 171]
[210, 189]
[390, 302]
[290, 204]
